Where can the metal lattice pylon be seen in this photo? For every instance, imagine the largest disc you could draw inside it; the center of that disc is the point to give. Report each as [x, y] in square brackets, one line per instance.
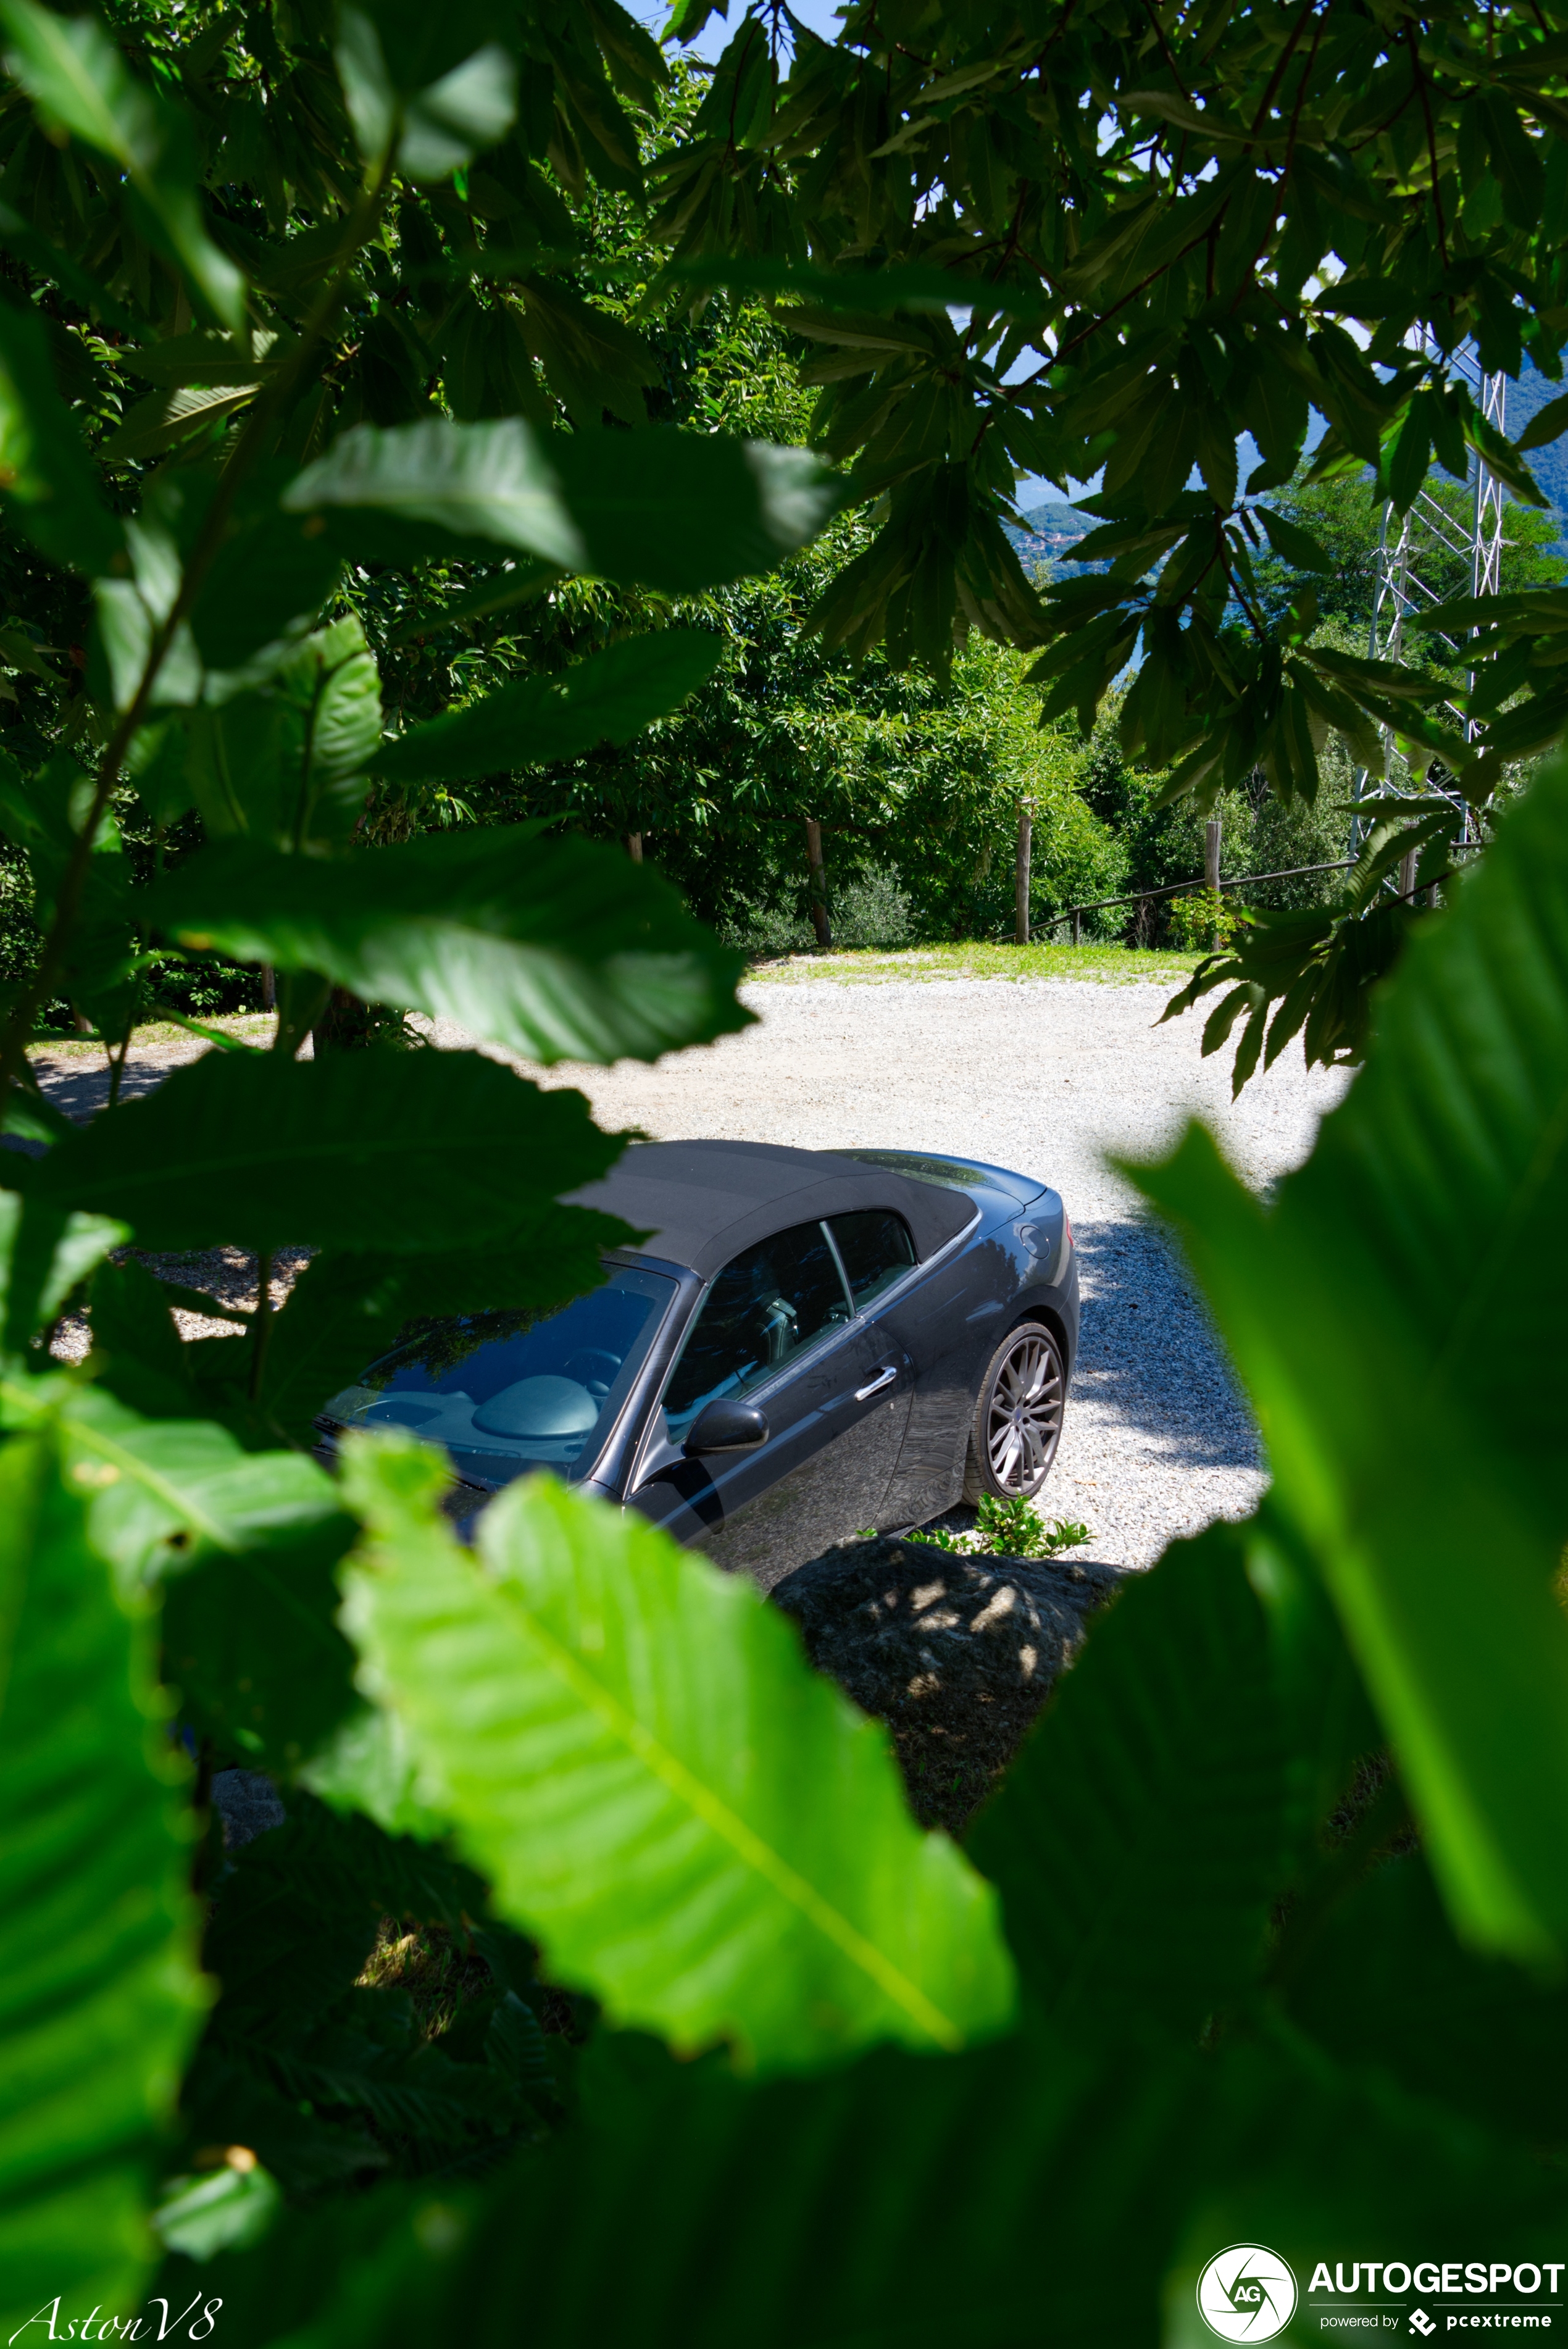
[1402, 588]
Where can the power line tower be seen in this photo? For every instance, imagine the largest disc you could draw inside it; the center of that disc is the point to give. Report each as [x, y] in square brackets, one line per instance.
[1411, 549]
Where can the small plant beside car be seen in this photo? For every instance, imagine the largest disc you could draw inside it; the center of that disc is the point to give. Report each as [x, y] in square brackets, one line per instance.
[1010, 1528]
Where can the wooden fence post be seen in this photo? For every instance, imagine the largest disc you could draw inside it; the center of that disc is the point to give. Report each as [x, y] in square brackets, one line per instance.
[635, 846]
[1021, 881]
[1211, 863]
[818, 876]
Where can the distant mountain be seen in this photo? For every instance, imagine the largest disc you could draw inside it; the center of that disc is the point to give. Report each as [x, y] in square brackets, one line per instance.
[1049, 534]
[1524, 399]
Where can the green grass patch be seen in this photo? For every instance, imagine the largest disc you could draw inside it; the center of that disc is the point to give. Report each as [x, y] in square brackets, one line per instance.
[983, 958]
[252, 1026]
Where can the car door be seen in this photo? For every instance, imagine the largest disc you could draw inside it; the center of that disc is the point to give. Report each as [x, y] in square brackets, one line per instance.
[778, 1327]
[950, 1318]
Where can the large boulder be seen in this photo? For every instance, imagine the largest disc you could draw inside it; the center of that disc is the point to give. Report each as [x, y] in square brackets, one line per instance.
[956, 1654]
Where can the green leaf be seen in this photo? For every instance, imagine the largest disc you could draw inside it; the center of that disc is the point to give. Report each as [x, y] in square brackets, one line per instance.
[741, 1866]
[537, 720]
[155, 767]
[668, 509]
[99, 1998]
[1546, 425]
[219, 2209]
[645, 2223]
[558, 947]
[347, 1309]
[80, 84]
[287, 762]
[1497, 451]
[136, 1351]
[44, 464]
[118, 645]
[343, 1313]
[43, 1255]
[205, 357]
[590, 361]
[398, 1152]
[1302, 2152]
[1292, 543]
[685, 511]
[368, 1769]
[1385, 1983]
[1515, 158]
[165, 417]
[266, 584]
[910, 285]
[164, 1494]
[1435, 1191]
[437, 487]
[1155, 1787]
[389, 60]
[252, 1648]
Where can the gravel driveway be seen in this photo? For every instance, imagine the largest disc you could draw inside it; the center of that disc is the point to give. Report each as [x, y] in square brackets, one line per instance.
[1047, 1076]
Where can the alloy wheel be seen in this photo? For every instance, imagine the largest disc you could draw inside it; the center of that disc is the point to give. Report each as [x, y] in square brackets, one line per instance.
[1024, 1416]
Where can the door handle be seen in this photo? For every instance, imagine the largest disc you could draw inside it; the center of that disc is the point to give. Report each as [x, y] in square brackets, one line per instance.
[882, 1378]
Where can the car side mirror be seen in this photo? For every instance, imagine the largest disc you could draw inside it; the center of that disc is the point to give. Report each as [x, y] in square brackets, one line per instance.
[726, 1425]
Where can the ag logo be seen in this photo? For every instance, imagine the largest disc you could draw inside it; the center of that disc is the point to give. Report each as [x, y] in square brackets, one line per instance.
[1246, 2293]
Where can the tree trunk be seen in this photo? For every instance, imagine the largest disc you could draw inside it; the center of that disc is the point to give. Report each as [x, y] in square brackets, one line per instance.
[635, 846]
[818, 875]
[1212, 831]
[1021, 881]
[269, 987]
[348, 1025]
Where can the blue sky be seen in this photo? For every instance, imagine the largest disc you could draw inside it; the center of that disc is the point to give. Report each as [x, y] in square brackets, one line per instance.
[709, 43]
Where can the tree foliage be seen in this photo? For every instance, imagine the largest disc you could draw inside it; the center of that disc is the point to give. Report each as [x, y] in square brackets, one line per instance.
[1168, 231]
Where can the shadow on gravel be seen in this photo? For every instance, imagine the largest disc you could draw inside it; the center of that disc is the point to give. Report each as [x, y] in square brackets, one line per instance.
[1148, 1355]
[956, 1654]
[79, 1087]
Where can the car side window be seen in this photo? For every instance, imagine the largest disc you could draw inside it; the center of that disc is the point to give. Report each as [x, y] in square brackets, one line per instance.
[876, 1249]
[766, 1307]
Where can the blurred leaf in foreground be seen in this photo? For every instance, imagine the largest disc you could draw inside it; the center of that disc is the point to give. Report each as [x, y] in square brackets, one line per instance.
[1417, 1438]
[99, 1998]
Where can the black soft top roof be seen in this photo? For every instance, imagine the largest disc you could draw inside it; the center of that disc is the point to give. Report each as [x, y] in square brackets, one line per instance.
[703, 1202]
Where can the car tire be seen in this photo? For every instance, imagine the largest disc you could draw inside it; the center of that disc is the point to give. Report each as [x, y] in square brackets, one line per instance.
[1018, 1422]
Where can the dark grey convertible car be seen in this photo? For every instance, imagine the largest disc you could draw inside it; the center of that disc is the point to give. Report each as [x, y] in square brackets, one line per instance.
[809, 1343]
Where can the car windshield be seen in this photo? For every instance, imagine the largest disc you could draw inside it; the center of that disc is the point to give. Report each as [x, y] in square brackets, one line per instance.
[502, 1392]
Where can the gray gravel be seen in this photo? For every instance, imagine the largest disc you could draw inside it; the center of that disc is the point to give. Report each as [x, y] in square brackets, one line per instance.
[1047, 1076]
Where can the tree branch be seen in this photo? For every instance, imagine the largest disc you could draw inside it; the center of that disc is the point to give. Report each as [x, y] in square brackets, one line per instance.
[1431, 137]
